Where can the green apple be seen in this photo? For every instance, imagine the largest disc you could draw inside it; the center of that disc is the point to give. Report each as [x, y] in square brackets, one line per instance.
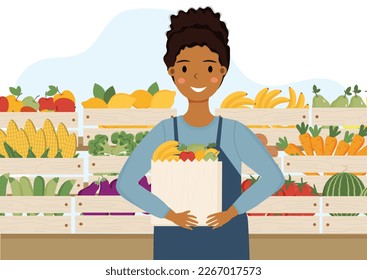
[30, 102]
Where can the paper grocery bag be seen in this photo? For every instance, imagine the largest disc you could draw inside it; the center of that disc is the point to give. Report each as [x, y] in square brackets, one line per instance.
[188, 185]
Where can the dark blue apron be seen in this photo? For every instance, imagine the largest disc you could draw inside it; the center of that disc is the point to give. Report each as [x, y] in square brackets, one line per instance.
[229, 242]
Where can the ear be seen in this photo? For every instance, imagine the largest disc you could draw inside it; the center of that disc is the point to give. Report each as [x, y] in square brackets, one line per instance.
[171, 71]
[223, 70]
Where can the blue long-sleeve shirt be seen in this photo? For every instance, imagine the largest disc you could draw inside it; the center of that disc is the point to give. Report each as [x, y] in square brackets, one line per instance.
[238, 142]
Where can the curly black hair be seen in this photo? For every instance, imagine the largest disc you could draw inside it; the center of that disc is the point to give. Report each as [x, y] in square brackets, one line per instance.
[201, 27]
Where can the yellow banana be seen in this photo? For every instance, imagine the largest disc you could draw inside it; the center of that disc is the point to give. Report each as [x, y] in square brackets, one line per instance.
[277, 101]
[169, 152]
[301, 101]
[173, 157]
[212, 150]
[162, 148]
[240, 102]
[292, 98]
[270, 96]
[230, 98]
[259, 97]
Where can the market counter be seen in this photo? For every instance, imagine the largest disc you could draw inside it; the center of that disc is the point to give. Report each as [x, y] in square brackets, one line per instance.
[140, 246]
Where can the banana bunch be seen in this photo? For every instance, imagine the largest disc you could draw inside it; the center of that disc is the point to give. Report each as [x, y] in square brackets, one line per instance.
[293, 102]
[237, 99]
[268, 99]
[167, 151]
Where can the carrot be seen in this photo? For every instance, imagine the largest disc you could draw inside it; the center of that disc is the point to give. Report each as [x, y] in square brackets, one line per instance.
[289, 149]
[331, 141]
[358, 141]
[317, 141]
[305, 138]
[362, 152]
[343, 145]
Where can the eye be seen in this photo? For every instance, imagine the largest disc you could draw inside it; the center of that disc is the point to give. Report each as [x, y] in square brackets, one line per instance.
[210, 69]
[184, 69]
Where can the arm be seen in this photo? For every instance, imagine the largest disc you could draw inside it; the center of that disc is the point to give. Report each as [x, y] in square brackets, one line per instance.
[253, 153]
[137, 165]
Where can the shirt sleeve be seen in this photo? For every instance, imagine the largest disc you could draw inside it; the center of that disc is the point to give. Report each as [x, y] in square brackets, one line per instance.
[252, 152]
[136, 166]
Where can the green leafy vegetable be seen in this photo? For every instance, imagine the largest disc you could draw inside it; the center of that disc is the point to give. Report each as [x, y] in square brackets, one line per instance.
[99, 146]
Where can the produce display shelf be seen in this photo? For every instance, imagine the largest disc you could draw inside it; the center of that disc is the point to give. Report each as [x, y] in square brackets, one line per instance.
[320, 223]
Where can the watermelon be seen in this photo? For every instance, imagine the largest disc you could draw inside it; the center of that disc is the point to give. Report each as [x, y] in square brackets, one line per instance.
[343, 184]
[364, 193]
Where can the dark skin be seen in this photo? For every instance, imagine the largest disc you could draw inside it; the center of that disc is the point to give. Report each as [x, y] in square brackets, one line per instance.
[198, 74]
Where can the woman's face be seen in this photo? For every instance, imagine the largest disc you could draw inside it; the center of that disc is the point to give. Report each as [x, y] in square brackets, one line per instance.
[197, 73]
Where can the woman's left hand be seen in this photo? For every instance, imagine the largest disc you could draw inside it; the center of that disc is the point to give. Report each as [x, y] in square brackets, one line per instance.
[219, 219]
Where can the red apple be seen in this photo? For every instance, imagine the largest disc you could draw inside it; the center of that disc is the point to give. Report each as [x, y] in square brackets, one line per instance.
[28, 109]
[4, 104]
[64, 105]
[46, 104]
[187, 155]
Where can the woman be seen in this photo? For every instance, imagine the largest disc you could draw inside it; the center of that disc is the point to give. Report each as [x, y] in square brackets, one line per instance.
[197, 59]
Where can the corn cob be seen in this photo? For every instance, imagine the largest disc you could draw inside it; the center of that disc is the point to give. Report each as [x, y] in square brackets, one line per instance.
[22, 145]
[12, 134]
[39, 145]
[51, 138]
[62, 137]
[30, 131]
[69, 148]
[2, 140]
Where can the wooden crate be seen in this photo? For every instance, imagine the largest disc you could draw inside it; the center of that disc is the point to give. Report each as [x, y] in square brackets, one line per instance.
[70, 119]
[146, 118]
[35, 224]
[64, 168]
[266, 116]
[339, 116]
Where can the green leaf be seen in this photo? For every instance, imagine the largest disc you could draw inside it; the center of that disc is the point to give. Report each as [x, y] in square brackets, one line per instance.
[153, 88]
[109, 93]
[16, 154]
[16, 91]
[182, 147]
[1, 156]
[53, 90]
[76, 155]
[211, 145]
[45, 154]
[9, 150]
[355, 88]
[58, 155]
[98, 91]
[31, 154]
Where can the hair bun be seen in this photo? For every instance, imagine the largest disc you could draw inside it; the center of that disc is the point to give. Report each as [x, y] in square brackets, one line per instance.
[202, 17]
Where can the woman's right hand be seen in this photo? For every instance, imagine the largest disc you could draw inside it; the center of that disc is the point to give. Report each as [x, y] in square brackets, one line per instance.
[183, 219]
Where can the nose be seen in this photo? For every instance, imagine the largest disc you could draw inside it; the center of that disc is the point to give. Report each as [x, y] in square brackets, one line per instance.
[196, 75]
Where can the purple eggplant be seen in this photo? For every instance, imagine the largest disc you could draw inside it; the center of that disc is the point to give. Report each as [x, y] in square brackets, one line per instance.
[90, 190]
[104, 187]
[144, 183]
[113, 187]
[123, 214]
[95, 214]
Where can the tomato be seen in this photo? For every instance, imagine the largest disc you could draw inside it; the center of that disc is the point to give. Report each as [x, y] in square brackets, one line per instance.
[245, 186]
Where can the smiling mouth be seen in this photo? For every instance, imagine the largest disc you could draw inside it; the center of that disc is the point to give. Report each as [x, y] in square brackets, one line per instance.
[198, 89]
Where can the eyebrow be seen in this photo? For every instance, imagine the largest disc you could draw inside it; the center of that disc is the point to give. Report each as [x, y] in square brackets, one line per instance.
[209, 60]
[183, 60]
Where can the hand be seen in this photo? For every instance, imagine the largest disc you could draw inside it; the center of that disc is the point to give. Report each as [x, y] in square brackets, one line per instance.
[219, 219]
[183, 219]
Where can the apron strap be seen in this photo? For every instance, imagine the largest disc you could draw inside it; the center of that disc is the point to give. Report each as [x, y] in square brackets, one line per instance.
[175, 129]
[219, 132]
